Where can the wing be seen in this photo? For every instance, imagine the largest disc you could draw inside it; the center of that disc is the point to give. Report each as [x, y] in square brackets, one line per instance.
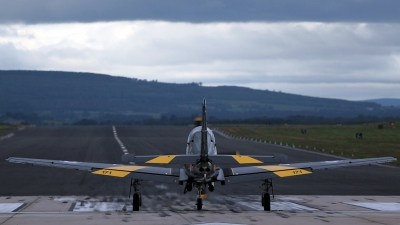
[166, 175]
[244, 174]
[215, 159]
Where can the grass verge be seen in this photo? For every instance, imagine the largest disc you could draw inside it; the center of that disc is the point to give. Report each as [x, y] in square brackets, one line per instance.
[332, 139]
[5, 129]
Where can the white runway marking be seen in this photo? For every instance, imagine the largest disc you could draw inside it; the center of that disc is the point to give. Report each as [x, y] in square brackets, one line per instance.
[7, 136]
[99, 206]
[152, 202]
[62, 199]
[290, 199]
[218, 224]
[9, 207]
[119, 141]
[278, 206]
[161, 187]
[378, 206]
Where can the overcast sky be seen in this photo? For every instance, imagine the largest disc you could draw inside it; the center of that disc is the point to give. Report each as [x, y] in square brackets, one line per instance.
[333, 48]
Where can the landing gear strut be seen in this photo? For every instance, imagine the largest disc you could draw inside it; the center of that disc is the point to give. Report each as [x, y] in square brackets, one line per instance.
[265, 196]
[199, 201]
[137, 196]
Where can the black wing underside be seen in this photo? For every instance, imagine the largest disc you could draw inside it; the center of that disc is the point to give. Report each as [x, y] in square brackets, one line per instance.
[171, 175]
[245, 174]
[165, 175]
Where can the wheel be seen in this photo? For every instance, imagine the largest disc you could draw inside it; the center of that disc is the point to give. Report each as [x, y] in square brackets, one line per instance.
[136, 202]
[267, 202]
[211, 187]
[199, 203]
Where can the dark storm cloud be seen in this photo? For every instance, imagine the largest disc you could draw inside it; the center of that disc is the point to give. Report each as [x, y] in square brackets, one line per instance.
[57, 11]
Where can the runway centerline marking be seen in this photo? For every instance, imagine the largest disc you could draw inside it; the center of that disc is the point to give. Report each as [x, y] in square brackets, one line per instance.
[123, 148]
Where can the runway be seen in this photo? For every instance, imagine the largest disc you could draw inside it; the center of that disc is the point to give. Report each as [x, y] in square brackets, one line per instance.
[98, 144]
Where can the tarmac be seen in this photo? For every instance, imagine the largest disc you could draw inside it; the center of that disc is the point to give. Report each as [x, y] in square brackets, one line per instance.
[42, 195]
[299, 210]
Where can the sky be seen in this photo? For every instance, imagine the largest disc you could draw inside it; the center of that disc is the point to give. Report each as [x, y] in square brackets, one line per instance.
[333, 48]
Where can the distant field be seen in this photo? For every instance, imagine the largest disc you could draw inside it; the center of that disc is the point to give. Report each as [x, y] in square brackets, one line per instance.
[333, 139]
[5, 129]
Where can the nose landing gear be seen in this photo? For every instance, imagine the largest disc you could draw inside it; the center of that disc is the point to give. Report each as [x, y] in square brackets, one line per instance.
[199, 200]
[199, 203]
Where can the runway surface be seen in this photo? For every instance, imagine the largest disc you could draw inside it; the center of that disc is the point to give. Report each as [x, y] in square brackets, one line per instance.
[98, 144]
[292, 210]
[54, 194]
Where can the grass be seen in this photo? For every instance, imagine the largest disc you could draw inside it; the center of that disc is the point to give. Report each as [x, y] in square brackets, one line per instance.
[333, 139]
[5, 129]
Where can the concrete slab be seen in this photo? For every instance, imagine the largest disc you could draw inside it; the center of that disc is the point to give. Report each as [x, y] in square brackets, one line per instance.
[227, 209]
[378, 206]
[47, 204]
[9, 207]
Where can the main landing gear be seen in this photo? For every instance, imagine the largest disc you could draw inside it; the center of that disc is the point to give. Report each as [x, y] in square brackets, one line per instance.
[137, 196]
[265, 196]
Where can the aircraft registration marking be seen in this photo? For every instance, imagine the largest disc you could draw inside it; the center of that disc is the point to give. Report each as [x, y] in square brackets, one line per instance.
[112, 173]
[285, 171]
[163, 159]
[118, 171]
[243, 159]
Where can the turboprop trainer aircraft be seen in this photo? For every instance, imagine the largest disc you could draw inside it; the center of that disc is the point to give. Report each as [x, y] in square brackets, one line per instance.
[201, 167]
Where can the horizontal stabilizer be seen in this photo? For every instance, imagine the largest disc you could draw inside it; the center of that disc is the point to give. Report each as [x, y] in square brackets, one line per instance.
[215, 159]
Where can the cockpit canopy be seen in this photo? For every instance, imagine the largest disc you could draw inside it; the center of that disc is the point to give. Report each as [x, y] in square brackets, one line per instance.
[194, 142]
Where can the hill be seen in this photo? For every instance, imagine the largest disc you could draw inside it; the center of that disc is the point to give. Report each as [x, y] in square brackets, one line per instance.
[395, 102]
[70, 96]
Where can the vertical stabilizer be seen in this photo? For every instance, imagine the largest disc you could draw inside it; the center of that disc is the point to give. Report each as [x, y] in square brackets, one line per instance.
[204, 143]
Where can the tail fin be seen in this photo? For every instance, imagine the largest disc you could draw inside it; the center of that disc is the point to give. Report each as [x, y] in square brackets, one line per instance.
[204, 145]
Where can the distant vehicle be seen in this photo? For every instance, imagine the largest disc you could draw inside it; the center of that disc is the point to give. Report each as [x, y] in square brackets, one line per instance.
[201, 167]
[197, 121]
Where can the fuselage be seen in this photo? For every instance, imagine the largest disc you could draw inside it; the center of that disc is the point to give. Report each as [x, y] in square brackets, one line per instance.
[201, 172]
[193, 146]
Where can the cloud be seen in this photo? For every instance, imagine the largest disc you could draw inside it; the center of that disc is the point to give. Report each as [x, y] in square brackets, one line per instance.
[194, 11]
[338, 60]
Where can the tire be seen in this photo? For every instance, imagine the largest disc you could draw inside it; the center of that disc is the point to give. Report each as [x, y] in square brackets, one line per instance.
[136, 202]
[267, 202]
[199, 203]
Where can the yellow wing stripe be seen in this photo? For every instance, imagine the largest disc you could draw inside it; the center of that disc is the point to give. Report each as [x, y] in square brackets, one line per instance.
[118, 171]
[163, 159]
[285, 171]
[112, 173]
[243, 159]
